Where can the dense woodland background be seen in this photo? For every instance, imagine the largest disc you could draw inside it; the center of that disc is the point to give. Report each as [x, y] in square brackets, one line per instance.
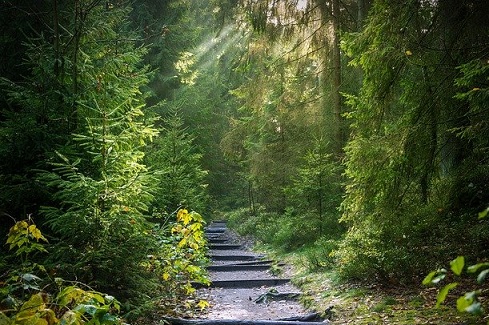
[353, 132]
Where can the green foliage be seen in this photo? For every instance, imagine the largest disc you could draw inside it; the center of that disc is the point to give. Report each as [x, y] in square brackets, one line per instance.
[470, 302]
[23, 302]
[180, 262]
[320, 255]
[177, 164]
[312, 197]
[315, 194]
[100, 188]
[21, 237]
[411, 176]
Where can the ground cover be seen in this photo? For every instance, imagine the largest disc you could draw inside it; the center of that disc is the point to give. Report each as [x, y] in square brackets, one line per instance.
[363, 303]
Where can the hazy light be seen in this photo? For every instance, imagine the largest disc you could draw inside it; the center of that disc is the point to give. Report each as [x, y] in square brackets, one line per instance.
[301, 4]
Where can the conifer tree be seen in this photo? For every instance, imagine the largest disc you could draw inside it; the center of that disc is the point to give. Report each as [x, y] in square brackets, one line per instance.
[177, 164]
[100, 189]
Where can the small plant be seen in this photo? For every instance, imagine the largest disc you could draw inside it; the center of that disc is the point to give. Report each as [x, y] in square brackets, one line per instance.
[23, 301]
[181, 262]
[469, 302]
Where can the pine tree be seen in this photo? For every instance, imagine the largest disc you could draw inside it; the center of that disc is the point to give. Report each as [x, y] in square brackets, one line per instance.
[101, 188]
[178, 168]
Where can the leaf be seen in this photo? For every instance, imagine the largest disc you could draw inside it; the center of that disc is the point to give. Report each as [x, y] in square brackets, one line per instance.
[464, 302]
[36, 233]
[483, 213]
[442, 295]
[427, 280]
[69, 294]
[4, 320]
[434, 277]
[30, 277]
[482, 276]
[475, 308]
[203, 304]
[182, 243]
[457, 265]
[474, 268]
[86, 308]
[109, 319]
[184, 216]
[29, 312]
[71, 318]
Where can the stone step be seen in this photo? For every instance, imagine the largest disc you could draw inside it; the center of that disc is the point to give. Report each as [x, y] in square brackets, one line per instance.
[181, 321]
[215, 230]
[234, 257]
[239, 267]
[243, 283]
[224, 246]
[216, 240]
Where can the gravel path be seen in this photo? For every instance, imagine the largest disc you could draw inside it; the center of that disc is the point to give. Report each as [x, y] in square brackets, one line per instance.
[237, 302]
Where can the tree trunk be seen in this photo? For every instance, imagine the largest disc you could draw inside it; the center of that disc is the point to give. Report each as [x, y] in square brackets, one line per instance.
[336, 78]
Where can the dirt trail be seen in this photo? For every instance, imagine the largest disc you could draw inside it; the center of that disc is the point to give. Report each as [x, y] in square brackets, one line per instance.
[241, 280]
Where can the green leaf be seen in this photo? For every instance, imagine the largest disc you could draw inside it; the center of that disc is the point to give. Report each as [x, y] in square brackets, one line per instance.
[463, 303]
[457, 265]
[474, 268]
[482, 276]
[86, 308]
[427, 280]
[442, 295]
[483, 213]
[434, 277]
[30, 277]
[475, 308]
[4, 320]
[109, 319]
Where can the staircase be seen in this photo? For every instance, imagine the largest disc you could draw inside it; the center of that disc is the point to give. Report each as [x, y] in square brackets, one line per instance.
[243, 290]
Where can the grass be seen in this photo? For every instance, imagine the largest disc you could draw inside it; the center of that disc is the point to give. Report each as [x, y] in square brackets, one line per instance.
[371, 304]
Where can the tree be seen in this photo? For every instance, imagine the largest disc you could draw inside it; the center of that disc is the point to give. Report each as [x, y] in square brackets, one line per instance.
[313, 198]
[101, 190]
[178, 168]
[408, 172]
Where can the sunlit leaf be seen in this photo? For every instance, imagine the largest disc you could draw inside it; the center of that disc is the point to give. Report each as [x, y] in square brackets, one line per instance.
[442, 295]
[474, 268]
[484, 213]
[203, 304]
[434, 277]
[182, 243]
[184, 216]
[482, 276]
[4, 320]
[457, 265]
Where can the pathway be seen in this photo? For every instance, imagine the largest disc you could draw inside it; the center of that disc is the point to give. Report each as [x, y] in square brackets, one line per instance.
[244, 290]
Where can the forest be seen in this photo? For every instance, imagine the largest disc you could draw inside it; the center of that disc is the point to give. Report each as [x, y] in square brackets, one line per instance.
[350, 134]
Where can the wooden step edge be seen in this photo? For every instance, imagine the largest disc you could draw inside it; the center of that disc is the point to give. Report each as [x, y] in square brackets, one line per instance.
[181, 321]
[216, 246]
[234, 257]
[238, 267]
[243, 283]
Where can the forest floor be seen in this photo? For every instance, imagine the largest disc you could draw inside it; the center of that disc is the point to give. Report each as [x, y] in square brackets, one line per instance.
[363, 304]
[355, 303]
